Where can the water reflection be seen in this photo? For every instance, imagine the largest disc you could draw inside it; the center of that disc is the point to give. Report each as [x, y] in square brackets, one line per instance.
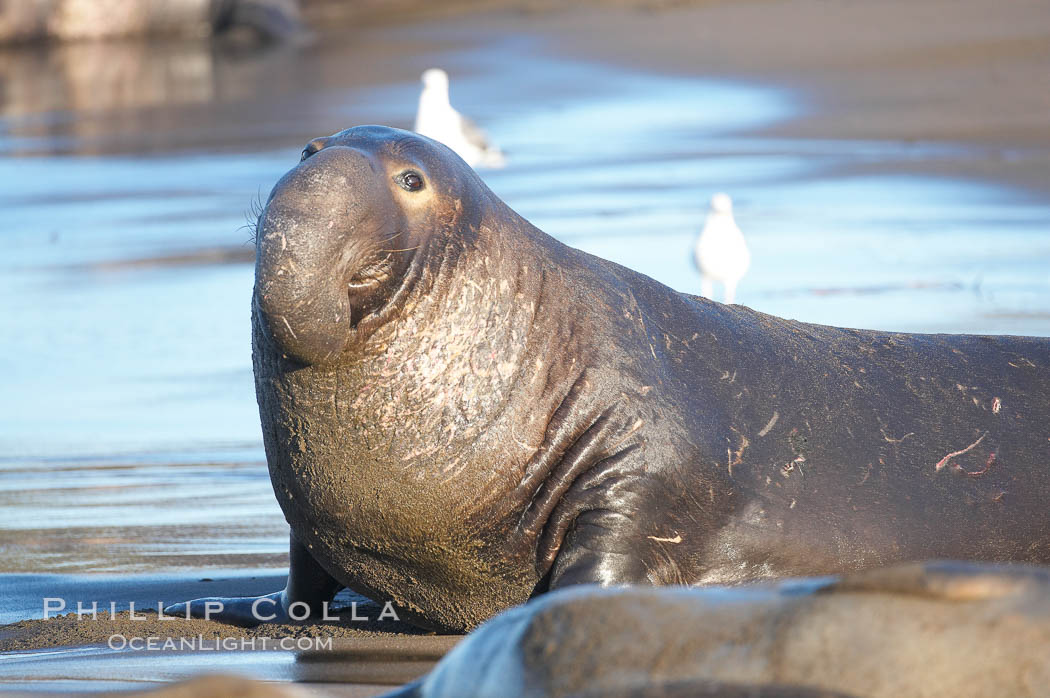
[126, 96]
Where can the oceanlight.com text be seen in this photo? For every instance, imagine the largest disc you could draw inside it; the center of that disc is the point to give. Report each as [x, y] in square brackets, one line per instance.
[218, 644]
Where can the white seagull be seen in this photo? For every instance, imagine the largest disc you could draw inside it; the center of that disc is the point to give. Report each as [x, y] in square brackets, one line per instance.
[438, 120]
[721, 253]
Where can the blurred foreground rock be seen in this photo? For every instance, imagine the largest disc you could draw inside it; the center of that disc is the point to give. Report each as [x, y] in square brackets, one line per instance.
[923, 629]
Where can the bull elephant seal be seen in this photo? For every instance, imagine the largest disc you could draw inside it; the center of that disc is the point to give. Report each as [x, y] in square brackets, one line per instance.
[460, 412]
[939, 629]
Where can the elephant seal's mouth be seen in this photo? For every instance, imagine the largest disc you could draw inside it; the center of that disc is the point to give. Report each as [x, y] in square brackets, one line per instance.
[378, 278]
[371, 276]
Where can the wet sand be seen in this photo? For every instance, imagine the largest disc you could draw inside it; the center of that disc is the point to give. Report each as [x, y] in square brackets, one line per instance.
[972, 72]
[889, 163]
[352, 665]
[362, 654]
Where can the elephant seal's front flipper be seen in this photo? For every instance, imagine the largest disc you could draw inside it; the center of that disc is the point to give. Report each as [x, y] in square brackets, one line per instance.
[308, 589]
[584, 497]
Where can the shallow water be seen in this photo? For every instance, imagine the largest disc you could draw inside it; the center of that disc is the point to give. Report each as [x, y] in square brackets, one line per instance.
[128, 427]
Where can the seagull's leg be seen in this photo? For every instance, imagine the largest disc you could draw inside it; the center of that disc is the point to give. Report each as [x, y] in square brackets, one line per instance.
[707, 287]
[731, 290]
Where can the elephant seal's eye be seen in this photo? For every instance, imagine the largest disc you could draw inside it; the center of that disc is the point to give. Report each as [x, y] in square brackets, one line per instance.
[410, 181]
[312, 147]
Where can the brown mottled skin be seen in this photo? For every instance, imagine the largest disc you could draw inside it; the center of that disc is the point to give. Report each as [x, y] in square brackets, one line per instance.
[461, 412]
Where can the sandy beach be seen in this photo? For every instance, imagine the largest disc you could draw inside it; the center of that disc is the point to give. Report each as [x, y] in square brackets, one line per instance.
[133, 468]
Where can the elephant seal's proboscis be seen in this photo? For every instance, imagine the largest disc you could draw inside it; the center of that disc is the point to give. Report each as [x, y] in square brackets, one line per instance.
[460, 412]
